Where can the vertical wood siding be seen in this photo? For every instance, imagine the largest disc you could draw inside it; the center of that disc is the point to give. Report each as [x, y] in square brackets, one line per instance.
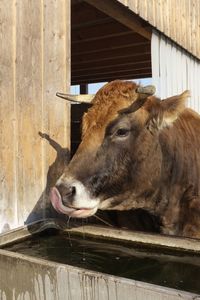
[174, 70]
[34, 60]
[177, 19]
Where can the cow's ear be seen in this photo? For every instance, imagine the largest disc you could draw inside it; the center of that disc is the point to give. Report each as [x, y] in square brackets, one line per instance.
[164, 113]
[172, 107]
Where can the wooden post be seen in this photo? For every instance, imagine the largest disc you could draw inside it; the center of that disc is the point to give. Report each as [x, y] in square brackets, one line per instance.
[83, 88]
[35, 64]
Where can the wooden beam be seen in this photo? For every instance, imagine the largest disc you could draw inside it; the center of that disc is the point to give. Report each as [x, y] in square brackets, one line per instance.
[105, 59]
[122, 14]
[112, 52]
[118, 42]
[130, 76]
[111, 61]
[77, 112]
[112, 65]
[75, 2]
[92, 23]
[107, 71]
[97, 31]
[101, 37]
[126, 65]
[85, 13]
[111, 73]
[84, 89]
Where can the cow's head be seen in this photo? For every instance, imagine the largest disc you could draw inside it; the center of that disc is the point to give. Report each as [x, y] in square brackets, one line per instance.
[118, 163]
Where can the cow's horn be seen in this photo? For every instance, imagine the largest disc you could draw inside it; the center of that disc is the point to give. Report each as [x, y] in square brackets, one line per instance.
[148, 90]
[144, 92]
[87, 98]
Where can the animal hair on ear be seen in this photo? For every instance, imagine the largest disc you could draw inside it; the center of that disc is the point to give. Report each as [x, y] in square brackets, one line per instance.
[175, 103]
[156, 113]
[162, 113]
[173, 107]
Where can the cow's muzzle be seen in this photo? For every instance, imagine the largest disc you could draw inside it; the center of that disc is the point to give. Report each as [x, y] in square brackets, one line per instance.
[73, 200]
[67, 193]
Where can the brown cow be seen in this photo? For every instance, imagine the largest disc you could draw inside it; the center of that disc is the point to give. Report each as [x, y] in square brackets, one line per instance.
[136, 152]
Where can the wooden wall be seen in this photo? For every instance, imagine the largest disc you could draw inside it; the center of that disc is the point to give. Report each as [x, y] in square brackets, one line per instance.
[34, 64]
[177, 19]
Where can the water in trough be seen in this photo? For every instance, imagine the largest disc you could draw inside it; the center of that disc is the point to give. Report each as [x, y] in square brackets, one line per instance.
[176, 270]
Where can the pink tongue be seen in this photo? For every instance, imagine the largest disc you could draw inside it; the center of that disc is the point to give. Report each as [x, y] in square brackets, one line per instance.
[56, 201]
[55, 198]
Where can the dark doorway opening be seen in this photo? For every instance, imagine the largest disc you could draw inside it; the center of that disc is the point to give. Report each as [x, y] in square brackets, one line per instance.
[108, 42]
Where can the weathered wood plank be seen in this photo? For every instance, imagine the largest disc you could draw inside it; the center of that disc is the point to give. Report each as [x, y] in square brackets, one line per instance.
[194, 22]
[179, 20]
[111, 8]
[56, 76]
[28, 104]
[7, 115]
[151, 12]
[133, 5]
[35, 64]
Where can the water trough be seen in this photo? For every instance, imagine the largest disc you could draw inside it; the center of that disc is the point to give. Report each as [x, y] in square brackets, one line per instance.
[92, 262]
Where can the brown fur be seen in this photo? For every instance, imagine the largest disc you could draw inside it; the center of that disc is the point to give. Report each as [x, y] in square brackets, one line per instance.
[156, 168]
[106, 104]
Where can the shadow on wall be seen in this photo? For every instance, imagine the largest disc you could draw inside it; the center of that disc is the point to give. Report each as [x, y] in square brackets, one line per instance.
[43, 209]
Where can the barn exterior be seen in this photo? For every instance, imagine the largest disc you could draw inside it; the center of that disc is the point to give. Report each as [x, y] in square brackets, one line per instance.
[47, 45]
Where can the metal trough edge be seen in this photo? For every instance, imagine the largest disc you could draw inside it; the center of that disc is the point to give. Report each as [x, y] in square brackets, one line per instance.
[155, 240]
[26, 231]
[170, 242]
[64, 278]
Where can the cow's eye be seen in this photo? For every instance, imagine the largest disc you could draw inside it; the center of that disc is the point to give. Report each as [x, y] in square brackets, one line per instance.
[122, 132]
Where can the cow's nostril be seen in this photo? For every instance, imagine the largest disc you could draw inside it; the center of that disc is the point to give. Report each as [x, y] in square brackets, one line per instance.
[66, 191]
[73, 190]
[70, 191]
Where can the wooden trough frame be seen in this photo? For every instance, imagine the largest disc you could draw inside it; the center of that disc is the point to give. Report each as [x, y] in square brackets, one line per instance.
[42, 279]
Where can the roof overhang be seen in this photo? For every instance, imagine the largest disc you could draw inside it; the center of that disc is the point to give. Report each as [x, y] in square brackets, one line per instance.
[108, 42]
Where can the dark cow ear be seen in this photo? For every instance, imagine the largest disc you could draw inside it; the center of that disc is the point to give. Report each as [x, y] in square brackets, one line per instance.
[172, 107]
